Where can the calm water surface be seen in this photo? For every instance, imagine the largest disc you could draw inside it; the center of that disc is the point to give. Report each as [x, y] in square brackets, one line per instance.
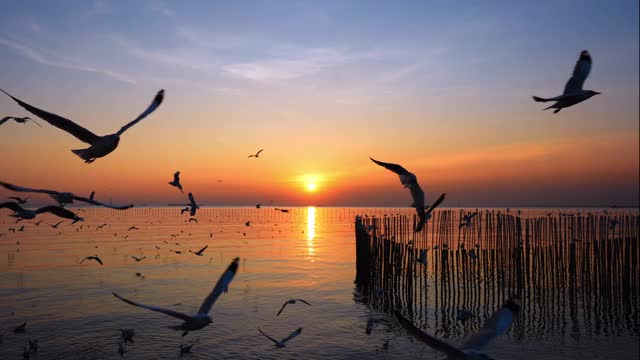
[308, 253]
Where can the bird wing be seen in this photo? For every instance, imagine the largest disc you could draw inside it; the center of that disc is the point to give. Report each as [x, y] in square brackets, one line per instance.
[192, 200]
[258, 153]
[97, 259]
[393, 167]
[175, 314]
[176, 177]
[267, 336]
[282, 308]
[67, 125]
[95, 202]
[432, 341]
[11, 205]
[221, 286]
[154, 105]
[203, 249]
[580, 73]
[58, 211]
[24, 189]
[303, 302]
[58, 223]
[292, 335]
[5, 119]
[495, 326]
[436, 203]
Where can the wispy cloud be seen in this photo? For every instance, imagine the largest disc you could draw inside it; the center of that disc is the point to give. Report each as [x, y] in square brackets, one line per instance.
[53, 60]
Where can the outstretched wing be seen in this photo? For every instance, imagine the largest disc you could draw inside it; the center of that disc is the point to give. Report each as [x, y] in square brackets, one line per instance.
[259, 151]
[154, 105]
[303, 302]
[58, 211]
[11, 205]
[267, 336]
[24, 189]
[292, 335]
[580, 73]
[58, 121]
[495, 326]
[97, 259]
[393, 167]
[221, 286]
[203, 249]
[175, 314]
[5, 119]
[282, 308]
[432, 341]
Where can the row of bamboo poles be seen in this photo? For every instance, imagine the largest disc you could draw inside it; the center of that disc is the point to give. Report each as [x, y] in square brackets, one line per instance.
[570, 270]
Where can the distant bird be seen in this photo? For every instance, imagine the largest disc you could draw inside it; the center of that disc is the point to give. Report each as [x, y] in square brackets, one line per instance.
[37, 223]
[256, 154]
[20, 212]
[20, 200]
[21, 228]
[62, 197]
[290, 301]
[133, 228]
[93, 193]
[410, 181]
[248, 223]
[258, 206]
[281, 343]
[55, 226]
[20, 328]
[176, 251]
[466, 220]
[19, 120]
[176, 181]
[464, 315]
[193, 219]
[95, 257]
[100, 226]
[100, 145]
[284, 210]
[495, 326]
[182, 211]
[138, 259]
[193, 205]
[201, 251]
[201, 318]
[573, 93]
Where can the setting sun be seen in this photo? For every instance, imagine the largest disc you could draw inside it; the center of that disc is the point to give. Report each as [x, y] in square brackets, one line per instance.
[310, 182]
[311, 186]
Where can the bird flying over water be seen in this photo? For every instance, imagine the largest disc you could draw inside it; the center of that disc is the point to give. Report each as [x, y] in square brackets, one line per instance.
[495, 326]
[193, 205]
[290, 301]
[20, 212]
[281, 343]
[19, 120]
[201, 318]
[133, 228]
[176, 181]
[100, 145]
[62, 197]
[573, 93]
[256, 154]
[95, 257]
[138, 259]
[201, 251]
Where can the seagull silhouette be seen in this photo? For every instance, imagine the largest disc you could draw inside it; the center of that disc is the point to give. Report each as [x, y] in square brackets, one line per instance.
[100, 145]
[201, 318]
[95, 257]
[201, 251]
[281, 343]
[256, 154]
[61, 197]
[410, 181]
[138, 259]
[573, 93]
[19, 120]
[176, 181]
[20, 212]
[193, 205]
[193, 219]
[290, 301]
[495, 326]
[133, 228]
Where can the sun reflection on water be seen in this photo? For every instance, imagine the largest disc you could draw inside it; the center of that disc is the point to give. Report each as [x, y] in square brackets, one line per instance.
[311, 229]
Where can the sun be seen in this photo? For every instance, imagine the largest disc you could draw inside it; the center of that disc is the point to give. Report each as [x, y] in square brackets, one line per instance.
[311, 186]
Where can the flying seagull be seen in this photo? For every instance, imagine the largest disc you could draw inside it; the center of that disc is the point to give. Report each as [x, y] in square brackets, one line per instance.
[100, 145]
[495, 326]
[133, 228]
[201, 251]
[20, 212]
[55, 226]
[256, 154]
[573, 93]
[93, 193]
[138, 259]
[281, 343]
[19, 120]
[466, 220]
[201, 318]
[20, 200]
[290, 301]
[62, 197]
[95, 257]
[193, 219]
[193, 205]
[176, 181]
[410, 181]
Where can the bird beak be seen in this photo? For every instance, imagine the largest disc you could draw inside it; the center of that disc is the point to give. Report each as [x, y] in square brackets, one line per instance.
[597, 93]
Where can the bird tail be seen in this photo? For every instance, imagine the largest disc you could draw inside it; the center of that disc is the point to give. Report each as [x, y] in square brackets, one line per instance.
[539, 99]
[84, 154]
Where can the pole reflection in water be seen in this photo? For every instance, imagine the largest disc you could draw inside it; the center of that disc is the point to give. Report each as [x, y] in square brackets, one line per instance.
[311, 230]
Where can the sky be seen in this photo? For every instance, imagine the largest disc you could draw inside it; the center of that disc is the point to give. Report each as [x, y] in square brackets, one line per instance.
[443, 88]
